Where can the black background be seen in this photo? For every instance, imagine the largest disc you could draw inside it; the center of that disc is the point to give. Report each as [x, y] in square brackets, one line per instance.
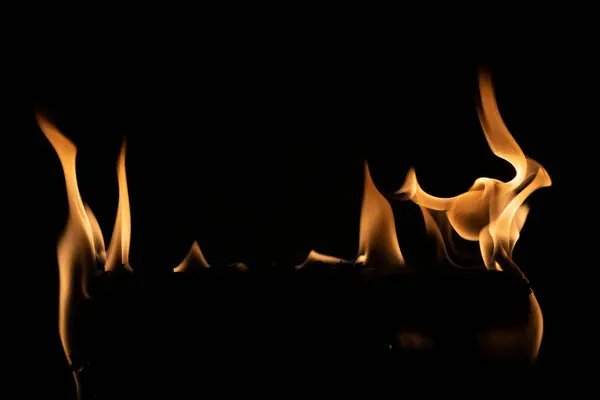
[254, 147]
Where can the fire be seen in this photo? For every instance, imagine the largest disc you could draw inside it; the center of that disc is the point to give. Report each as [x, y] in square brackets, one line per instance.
[378, 244]
[81, 249]
[118, 250]
[378, 248]
[491, 212]
[193, 260]
[81, 246]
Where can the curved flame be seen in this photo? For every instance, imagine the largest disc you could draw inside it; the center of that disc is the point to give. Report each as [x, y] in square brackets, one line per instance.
[491, 212]
[80, 245]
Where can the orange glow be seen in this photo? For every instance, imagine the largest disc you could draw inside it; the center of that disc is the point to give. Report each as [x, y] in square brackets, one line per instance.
[315, 257]
[491, 212]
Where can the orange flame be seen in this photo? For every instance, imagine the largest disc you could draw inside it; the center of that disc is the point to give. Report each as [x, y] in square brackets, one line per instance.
[81, 243]
[316, 257]
[378, 243]
[378, 247]
[491, 212]
[193, 260]
[81, 248]
[118, 250]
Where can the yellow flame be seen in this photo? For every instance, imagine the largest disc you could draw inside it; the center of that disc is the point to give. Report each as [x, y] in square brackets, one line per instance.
[491, 211]
[80, 243]
[193, 260]
[118, 250]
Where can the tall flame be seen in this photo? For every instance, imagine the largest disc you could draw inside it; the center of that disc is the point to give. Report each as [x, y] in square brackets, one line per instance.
[81, 251]
[118, 253]
[491, 212]
[378, 247]
[378, 243]
[79, 245]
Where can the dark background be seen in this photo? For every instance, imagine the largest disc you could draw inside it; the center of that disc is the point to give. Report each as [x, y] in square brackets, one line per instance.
[256, 151]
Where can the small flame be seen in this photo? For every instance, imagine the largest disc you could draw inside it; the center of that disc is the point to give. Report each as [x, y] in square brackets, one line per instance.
[118, 253]
[491, 212]
[193, 260]
[316, 257]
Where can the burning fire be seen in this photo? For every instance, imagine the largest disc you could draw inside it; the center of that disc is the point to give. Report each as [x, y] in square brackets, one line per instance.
[379, 250]
[491, 213]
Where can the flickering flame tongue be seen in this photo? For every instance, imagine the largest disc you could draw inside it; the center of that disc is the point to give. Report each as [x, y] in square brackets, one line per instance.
[81, 249]
[378, 248]
[80, 244]
[118, 251]
[378, 243]
[491, 211]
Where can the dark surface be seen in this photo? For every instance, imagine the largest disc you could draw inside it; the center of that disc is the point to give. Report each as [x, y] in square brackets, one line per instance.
[326, 321]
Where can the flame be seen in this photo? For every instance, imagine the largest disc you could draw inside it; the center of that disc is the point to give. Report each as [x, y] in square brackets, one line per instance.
[491, 212]
[193, 260]
[81, 245]
[378, 247]
[81, 251]
[378, 243]
[118, 253]
[316, 257]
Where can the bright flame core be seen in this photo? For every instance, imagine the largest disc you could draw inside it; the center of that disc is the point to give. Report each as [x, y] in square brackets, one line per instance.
[491, 212]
